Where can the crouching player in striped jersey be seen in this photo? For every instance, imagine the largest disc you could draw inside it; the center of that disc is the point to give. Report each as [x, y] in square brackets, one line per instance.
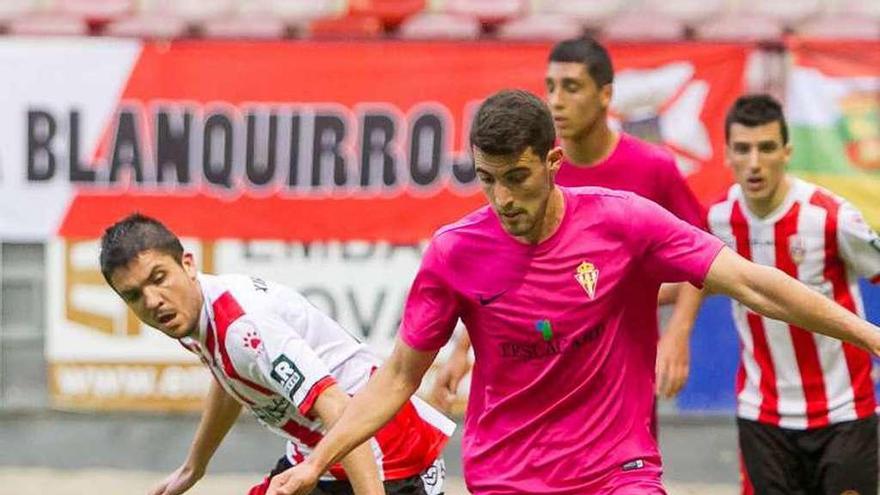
[273, 352]
[805, 402]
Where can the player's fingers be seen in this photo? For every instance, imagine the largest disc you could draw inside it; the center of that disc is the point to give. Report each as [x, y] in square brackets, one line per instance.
[662, 376]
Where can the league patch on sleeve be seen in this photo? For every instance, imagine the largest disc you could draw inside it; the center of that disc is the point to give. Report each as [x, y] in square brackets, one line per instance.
[287, 374]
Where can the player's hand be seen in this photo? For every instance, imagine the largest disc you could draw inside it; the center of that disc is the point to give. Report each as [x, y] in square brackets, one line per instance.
[673, 364]
[298, 480]
[181, 480]
[444, 392]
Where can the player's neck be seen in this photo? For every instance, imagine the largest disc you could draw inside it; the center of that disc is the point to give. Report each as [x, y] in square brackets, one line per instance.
[591, 148]
[764, 207]
[551, 221]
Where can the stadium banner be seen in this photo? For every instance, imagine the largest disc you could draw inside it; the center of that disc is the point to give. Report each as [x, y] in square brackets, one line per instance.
[833, 107]
[323, 165]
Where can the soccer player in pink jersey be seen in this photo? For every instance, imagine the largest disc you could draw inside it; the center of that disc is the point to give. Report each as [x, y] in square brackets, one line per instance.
[274, 353]
[558, 290]
[579, 83]
[805, 402]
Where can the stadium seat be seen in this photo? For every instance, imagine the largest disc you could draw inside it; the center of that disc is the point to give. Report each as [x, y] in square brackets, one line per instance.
[10, 9]
[48, 25]
[540, 27]
[249, 27]
[151, 27]
[390, 12]
[487, 11]
[95, 9]
[296, 12]
[636, 26]
[588, 12]
[841, 27]
[740, 28]
[788, 12]
[189, 10]
[687, 11]
[431, 25]
[864, 8]
[346, 27]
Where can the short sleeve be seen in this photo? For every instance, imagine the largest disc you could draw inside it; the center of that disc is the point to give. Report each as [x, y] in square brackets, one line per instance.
[672, 250]
[432, 307]
[859, 244]
[679, 199]
[283, 360]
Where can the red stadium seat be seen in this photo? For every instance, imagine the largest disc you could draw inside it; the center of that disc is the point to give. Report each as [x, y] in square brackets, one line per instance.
[540, 27]
[95, 9]
[740, 28]
[358, 27]
[151, 27]
[487, 11]
[842, 27]
[636, 27]
[440, 26]
[589, 12]
[390, 12]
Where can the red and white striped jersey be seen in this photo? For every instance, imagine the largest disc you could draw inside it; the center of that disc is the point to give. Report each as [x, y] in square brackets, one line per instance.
[787, 376]
[275, 353]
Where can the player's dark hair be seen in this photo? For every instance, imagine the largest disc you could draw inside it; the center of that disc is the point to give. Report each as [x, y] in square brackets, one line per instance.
[753, 111]
[510, 121]
[589, 52]
[126, 239]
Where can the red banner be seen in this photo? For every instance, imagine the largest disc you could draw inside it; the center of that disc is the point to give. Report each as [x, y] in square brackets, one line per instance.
[318, 141]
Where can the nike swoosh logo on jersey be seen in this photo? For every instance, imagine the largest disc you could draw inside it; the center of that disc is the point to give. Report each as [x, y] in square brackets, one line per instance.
[485, 301]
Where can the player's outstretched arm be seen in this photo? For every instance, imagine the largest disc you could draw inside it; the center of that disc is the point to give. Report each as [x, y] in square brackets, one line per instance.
[221, 411]
[359, 465]
[386, 392]
[774, 294]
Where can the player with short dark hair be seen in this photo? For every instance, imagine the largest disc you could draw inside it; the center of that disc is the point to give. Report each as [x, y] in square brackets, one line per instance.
[806, 405]
[274, 353]
[558, 290]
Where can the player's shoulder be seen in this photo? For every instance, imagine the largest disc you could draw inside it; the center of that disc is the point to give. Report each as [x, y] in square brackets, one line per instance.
[649, 154]
[477, 224]
[245, 297]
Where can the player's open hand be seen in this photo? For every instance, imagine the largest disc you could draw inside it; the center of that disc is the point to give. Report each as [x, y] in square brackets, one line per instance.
[181, 480]
[673, 364]
[298, 480]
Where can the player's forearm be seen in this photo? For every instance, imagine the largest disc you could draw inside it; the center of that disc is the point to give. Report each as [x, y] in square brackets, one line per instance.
[771, 292]
[221, 411]
[364, 415]
[684, 314]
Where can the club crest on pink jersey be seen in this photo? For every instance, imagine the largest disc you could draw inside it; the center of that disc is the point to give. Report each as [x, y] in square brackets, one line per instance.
[588, 276]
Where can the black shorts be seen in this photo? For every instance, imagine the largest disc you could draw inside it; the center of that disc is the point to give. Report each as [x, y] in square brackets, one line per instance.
[837, 459]
[407, 486]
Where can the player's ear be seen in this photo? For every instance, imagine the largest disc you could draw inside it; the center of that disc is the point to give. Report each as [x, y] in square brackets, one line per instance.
[554, 159]
[606, 93]
[189, 265]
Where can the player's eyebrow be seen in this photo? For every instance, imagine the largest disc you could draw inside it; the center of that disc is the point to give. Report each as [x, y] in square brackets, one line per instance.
[130, 292]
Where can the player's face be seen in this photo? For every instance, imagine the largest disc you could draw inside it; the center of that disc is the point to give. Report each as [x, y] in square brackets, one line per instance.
[758, 158]
[576, 102]
[162, 293]
[518, 188]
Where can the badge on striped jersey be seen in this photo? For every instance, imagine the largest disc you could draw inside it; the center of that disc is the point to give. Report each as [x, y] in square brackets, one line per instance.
[287, 374]
[588, 276]
[797, 248]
